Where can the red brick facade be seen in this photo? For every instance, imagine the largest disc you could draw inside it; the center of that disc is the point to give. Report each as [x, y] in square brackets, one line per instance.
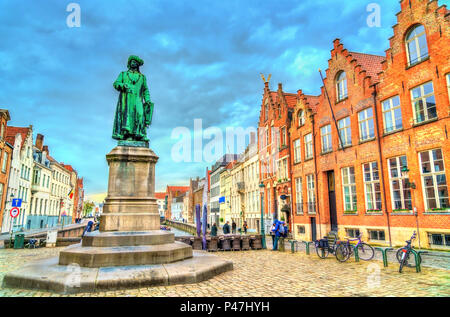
[393, 116]
[5, 161]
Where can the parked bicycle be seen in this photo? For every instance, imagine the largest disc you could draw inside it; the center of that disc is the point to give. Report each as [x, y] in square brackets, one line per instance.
[404, 254]
[31, 244]
[326, 245]
[345, 249]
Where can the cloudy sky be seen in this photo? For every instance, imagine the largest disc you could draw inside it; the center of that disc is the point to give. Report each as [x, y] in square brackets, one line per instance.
[202, 60]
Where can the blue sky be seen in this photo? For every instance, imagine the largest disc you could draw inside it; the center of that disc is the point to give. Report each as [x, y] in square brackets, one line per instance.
[202, 60]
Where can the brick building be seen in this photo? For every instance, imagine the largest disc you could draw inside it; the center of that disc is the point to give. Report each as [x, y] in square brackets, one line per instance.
[6, 150]
[392, 112]
[171, 193]
[274, 152]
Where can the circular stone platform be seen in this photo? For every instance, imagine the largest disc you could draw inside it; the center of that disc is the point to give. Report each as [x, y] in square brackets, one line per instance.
[66, 279]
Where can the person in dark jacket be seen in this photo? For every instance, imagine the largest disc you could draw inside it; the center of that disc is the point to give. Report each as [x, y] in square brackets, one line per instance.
[233, 227]
[245, 226]
[214, 230]
[226, 228]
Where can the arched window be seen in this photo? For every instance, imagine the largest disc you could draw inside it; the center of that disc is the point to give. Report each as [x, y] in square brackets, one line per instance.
[416, 45]
[341, 86]
[301, 118]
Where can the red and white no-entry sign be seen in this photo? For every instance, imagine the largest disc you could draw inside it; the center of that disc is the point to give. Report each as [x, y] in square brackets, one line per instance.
[14, 212]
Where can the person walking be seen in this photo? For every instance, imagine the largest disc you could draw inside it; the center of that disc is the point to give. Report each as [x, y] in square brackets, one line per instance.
[226, 228]
[279, 231]
[272, 233]
[233, 227]
[245, 227]
[214, 230]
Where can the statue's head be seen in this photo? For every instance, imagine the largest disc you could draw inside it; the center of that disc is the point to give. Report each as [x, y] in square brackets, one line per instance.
[134, 62]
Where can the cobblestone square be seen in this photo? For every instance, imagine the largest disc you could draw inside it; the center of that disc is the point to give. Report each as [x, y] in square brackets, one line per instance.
[271, 274]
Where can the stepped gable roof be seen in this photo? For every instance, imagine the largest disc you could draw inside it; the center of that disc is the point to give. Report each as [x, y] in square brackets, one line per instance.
[372, 64]
[11, 133]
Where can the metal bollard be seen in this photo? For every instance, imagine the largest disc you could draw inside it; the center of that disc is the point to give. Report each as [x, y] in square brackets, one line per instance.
[355, 249]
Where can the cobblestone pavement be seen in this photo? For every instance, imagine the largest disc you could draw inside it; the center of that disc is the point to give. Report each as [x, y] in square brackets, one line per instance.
[272, 274]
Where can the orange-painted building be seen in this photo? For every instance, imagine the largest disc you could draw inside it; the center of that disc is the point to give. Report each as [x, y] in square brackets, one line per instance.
[172, 192]
[390, 177]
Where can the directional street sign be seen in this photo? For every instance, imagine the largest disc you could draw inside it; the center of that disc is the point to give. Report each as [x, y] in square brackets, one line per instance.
[17, 202]
[14, 212]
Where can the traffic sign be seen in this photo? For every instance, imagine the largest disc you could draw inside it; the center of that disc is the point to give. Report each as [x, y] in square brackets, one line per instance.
[17, 202]
[14, 212]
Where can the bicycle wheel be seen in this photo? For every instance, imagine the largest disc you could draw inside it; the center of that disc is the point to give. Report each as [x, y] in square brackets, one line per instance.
[407, 260]
[365, 252]
[322, 252]
[342, 253]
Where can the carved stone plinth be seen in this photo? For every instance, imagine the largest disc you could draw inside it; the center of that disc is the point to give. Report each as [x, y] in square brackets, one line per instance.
[130, 204]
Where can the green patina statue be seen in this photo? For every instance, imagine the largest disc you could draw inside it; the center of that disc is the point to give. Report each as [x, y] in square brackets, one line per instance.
[134, 109]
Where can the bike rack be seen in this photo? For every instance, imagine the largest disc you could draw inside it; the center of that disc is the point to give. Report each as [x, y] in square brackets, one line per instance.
[355, 250]
[292, 245]
[384, 253]
[307, 244]
[417, 260]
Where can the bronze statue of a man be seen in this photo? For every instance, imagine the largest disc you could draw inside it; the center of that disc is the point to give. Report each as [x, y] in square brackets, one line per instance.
[134, 108]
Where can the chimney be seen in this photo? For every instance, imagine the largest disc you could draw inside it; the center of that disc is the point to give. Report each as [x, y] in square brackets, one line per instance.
[45, 148]
[39, 141]
[252, 138]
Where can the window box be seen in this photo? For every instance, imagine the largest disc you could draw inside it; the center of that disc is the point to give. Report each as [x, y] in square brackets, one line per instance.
[350, 212]
[374, 211]
[402, 211]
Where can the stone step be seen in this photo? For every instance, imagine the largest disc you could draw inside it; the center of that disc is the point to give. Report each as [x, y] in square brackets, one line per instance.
[129, 238]
[125, 255]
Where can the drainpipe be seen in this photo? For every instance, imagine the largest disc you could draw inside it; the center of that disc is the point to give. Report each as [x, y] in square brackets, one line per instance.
[381, 160]
[315, 173]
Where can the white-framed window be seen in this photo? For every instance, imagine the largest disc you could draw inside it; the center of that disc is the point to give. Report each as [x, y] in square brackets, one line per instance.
[352, 232]
[448, 85]
[5, 161]
[372, 186]
[283, 136]
[298, 196]
[311, 194]
[308, 146]
[297, 151]
[400, 192]
[433, 180]
[366, 125]
[301, 117]
[439, 239]
[392, 114]
[326, 138]
[345, 131]
[377, 235]
[300, 229]
[349, 188]
[416, 45]
[282, 169]
[341, 86]
[424, 103]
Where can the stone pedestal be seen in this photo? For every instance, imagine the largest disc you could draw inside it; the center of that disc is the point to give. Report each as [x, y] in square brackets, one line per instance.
[129, 250]
[130, 204]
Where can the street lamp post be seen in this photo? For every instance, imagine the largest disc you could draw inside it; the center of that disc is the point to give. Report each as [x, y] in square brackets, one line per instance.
[412, 185]
[263, 232]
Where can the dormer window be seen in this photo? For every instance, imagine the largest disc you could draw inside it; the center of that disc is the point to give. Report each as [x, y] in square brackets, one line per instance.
[301, 117]
[416, 45]
[341, 86]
